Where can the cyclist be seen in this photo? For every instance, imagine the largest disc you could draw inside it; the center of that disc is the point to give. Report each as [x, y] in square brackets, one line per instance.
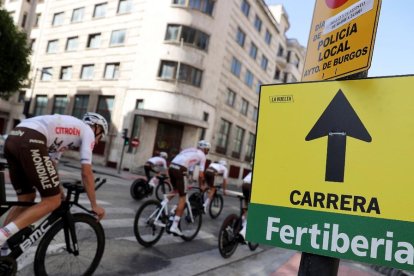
[178, 170]
[32, 150]
[215, 169]
[155, 164]
[246, 188]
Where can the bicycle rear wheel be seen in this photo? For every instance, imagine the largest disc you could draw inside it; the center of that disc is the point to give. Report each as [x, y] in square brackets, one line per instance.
[227, 240]
[138, 189]
[188, 227]
[216, 206]
[162, 188]
[145, 229]
[53, 256]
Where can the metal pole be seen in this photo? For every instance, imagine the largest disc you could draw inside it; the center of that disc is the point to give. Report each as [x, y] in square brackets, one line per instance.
[316, 265]
[122, 158]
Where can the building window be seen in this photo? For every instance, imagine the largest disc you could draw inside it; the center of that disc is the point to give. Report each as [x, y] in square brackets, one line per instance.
[253, 51]
[58, 19]
[37, 20]
[248, 78]
[94, 40]
[245, 7]
[223, 136]
[244, 107]
[182, 72]
[46, 74]
[117, 37]
[231, 98]
[264, 62]
[100, 10]
[65, 73]
[77, 15]
[80, 107]
[268, 37]
[259, 83]
[238, 141]
[205, 6]
[203, 130]
[124, 6]
[254, 117]
[249, 148]
[105, 106]
[139, 104]
[24, 20]
[277, 74]
[111, 71]
[40, 105]
[187, 35]
[72, 43]
[240, 37]
[280, 51]
[87, 72]
[235, 67]
[257, 23]
[32, 44]
[52, 46]
[59, 104]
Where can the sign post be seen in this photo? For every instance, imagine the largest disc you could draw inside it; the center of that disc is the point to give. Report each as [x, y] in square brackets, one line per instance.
[333, 172]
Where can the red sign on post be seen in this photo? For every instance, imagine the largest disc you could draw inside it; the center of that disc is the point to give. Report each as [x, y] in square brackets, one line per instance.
[135, 142]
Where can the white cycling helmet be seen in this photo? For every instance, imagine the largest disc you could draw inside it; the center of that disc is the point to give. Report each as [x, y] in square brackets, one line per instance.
[203, 144]
[92, 118]
[223, 162]
[164, 155]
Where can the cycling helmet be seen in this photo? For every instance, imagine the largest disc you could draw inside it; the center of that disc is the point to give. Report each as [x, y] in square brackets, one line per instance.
[203, 144]
[92, 118]
[223, 162]
[164, 155]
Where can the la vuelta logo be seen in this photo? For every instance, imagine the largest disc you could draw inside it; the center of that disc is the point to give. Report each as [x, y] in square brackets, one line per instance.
[333, 4]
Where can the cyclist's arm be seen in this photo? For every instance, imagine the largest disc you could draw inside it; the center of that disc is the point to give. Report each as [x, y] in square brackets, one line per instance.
[224, 186]
[89, 184]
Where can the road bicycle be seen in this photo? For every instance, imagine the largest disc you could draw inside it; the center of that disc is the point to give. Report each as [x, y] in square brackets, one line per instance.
[229, 237]
[68, 243]
[142, 188]
[216, 203]
[154, 217]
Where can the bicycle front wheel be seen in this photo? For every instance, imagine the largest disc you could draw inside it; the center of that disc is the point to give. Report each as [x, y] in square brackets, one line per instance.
[146, 229]
[162, 188]
[227, 240]
[53, 257]
[216, 206]
[190, 223]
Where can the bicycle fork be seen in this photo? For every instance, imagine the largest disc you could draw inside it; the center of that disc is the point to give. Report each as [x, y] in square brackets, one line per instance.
[70, 234]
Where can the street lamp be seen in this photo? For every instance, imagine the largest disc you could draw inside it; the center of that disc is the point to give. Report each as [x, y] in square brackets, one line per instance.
[28, 102]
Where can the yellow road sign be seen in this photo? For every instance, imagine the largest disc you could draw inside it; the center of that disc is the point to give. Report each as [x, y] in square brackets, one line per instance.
[344, 147]
[341, 38]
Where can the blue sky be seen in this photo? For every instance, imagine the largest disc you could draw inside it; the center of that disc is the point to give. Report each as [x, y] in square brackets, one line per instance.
[394, 43]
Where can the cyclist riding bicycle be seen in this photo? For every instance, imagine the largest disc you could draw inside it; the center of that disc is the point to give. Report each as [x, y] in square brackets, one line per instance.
[155, 164]
[246, 188]
[32, 150]
[215, 169]
[178, 170]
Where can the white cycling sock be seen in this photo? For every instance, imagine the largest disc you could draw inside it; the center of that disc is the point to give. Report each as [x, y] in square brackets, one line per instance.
[206, 202]
[7, 231]
[176, 221]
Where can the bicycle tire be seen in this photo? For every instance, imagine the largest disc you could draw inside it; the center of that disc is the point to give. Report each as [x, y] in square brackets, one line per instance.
[162, 188]
[188, 228]
[227, 240]
[52, 257]
[8, 266]
[252, 246]
[138, 189]
[216, 206]
[146, 232]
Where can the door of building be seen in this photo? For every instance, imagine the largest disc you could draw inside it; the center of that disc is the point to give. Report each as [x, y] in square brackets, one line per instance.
[168, 138]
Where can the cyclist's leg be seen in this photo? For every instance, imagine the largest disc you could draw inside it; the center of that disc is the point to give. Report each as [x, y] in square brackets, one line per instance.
[147, 169]
[246, 193]
[209, 179]
[177, 180]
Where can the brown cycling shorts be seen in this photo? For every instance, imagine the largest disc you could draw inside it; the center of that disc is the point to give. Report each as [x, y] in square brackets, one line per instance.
[177, 174]
[29, 163]
[209, 176]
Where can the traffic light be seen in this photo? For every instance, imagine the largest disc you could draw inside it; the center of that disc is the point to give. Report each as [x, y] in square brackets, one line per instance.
[125, 133]
[126, 141]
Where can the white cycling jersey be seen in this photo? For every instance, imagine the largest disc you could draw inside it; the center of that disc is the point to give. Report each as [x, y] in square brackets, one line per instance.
[220, 169]
[158, 161]
[63, 132]
[190, 157]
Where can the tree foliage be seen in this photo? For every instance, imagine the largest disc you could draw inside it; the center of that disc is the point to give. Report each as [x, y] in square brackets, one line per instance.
[14, 56]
